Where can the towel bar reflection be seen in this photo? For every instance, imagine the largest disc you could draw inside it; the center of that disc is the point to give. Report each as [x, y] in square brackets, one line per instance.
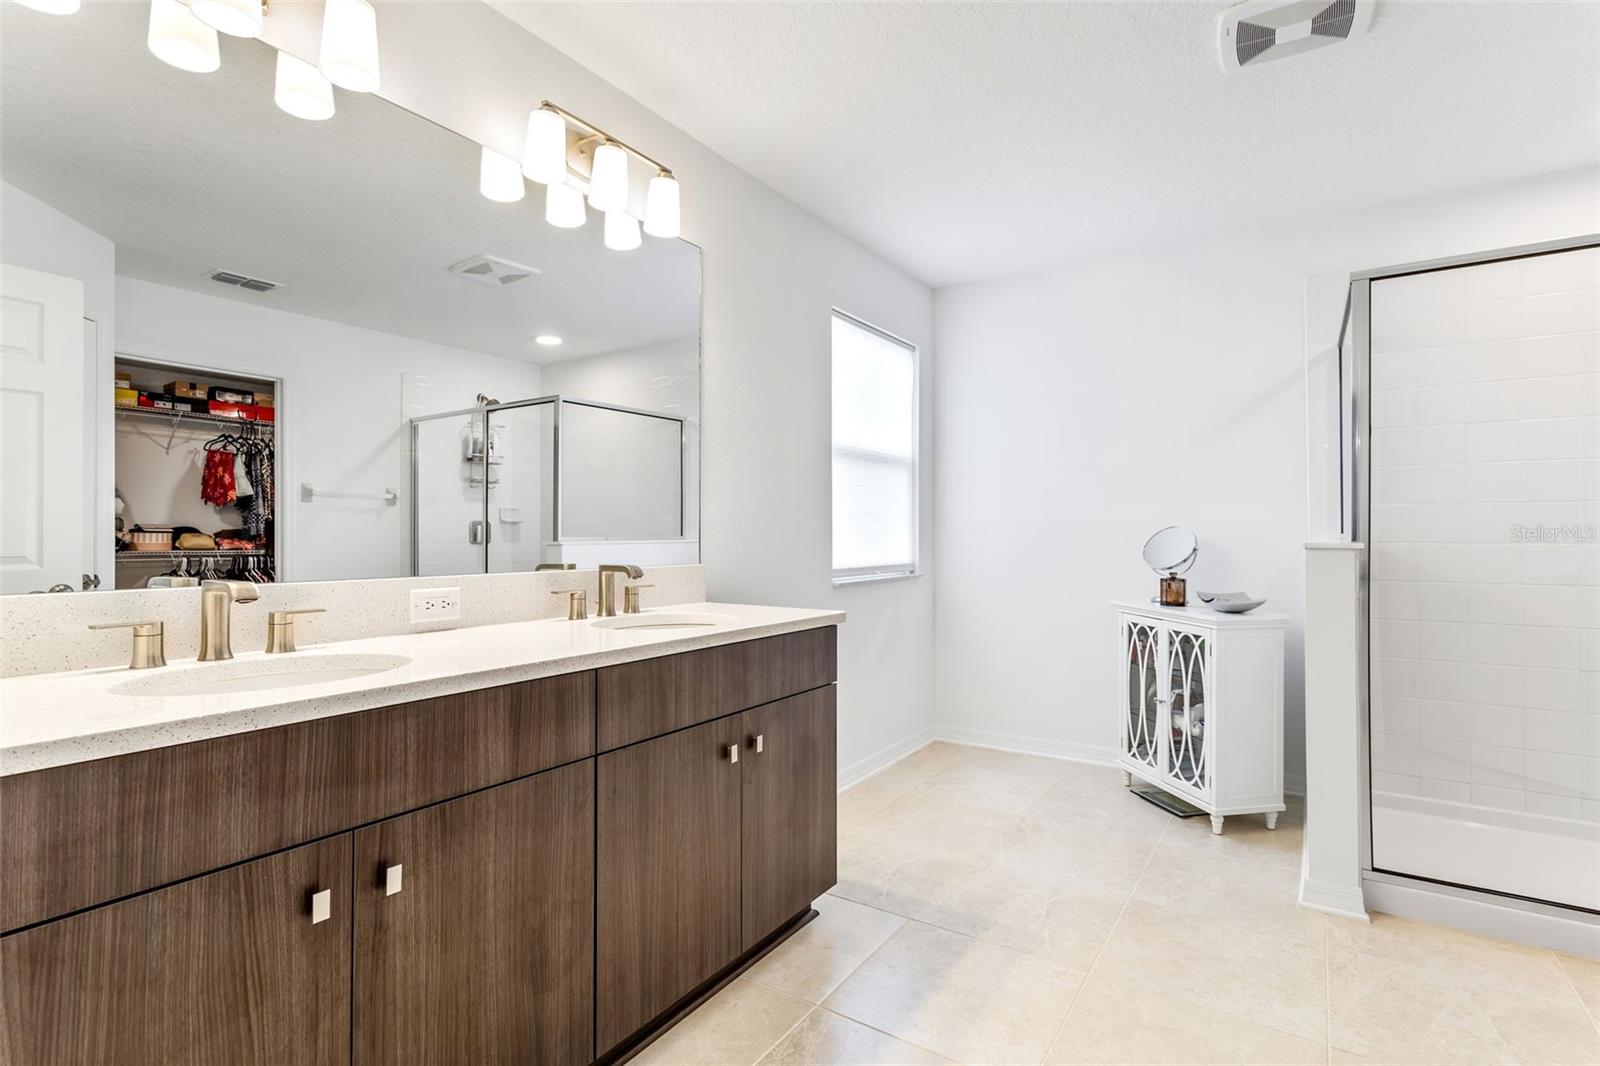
[307, 494]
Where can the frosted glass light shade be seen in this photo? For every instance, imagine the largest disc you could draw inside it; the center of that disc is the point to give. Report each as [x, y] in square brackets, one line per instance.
[301, 90]
[563, 206]
[350, 45]
[622, 231]
[500, 177]
[236, 18]
[179, 39]
[661, 215]
[544, 153]
[52, 7]
[608, 183]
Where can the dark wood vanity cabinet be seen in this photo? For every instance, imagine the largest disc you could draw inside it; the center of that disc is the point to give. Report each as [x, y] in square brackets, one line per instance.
[541, 873]
[790, 811]
[710, 840]
[668, 833]
[230, 967]
[474, 927]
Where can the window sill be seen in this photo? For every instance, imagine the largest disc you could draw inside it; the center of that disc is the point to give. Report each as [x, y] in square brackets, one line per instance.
[873, 579]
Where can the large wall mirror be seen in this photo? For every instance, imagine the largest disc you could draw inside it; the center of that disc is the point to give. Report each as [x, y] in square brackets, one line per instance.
[235, 343]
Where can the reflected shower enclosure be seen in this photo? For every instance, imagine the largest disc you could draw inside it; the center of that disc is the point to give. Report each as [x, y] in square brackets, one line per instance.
[554, 479]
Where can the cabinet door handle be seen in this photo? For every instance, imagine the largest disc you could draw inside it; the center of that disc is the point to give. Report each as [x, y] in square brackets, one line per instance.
[759, 743]
[321, 906]
[733, 753]
[392, 882]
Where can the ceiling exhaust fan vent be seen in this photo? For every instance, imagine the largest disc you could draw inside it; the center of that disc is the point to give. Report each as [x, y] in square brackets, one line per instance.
[1262, 31]
[243, 281]
[492, 270]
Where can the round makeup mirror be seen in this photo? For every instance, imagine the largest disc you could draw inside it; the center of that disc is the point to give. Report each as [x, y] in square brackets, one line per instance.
[1171, 550]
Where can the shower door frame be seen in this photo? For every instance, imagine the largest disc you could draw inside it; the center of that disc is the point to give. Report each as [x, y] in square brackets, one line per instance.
[1359, 529]
[556, 400]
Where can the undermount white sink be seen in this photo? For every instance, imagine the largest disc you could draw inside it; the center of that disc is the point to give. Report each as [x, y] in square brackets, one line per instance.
[259, 675]
[663, 620]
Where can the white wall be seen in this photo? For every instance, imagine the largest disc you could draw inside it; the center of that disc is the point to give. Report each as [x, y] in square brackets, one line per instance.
[37, 236]
[1080, 410]
[344, 404]
[771, 272]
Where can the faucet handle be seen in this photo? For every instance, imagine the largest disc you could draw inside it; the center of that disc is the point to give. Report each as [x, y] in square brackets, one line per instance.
[630, 598]
[280, 628]
[577, 603]
[149, 642]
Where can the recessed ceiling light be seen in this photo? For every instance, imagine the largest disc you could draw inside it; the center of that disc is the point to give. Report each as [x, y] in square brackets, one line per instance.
[549, 340]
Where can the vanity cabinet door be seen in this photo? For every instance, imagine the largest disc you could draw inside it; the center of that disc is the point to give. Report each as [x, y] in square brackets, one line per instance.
[790, 809]
[475, 927]
[668, 891]
[236, 967]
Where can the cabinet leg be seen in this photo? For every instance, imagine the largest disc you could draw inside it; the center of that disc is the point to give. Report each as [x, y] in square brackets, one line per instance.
[1216, 824]
[1127, 779]
[1272, 819]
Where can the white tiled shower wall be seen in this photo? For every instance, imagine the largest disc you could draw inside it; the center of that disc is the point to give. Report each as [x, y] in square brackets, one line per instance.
[1484, 548]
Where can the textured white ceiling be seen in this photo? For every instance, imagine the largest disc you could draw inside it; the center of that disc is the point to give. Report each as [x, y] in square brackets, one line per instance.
[970, 140]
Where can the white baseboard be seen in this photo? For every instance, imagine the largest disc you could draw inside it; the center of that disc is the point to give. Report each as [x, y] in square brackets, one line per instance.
[862, 769]
[1346, 901]
[1025, 745]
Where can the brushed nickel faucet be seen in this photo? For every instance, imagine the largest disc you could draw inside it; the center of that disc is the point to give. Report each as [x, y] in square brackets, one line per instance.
[607, 605]
[216, 616]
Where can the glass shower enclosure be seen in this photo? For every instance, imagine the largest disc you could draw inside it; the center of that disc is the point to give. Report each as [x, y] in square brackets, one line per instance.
[1454, 430]
[505, 487]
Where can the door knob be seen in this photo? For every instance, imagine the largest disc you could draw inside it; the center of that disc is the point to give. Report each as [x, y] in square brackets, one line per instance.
[759, 743]
[392, 882]
[733, 753]
[321, 906]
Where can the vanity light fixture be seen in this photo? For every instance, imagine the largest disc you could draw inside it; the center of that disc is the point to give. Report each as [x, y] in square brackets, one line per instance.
[350, 45]
[548, 340]
[544, 153]
[622, 231]
[500, 177]
[236, 18]
[608, 181]
[563, 206]
[596, 162]
[179, 39]
[661, 215]
[53, 7]
[301, 90]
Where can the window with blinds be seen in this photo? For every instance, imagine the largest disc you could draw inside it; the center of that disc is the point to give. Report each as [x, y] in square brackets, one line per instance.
[874, 453]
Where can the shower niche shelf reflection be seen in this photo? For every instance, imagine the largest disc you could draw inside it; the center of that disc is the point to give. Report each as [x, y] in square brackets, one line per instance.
[1201, 706]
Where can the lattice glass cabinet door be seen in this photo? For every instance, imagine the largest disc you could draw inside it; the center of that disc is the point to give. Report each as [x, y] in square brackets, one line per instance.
[1189, 678]
[1141, 718]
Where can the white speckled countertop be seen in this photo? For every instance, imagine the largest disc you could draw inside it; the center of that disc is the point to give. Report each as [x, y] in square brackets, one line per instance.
[55, 719]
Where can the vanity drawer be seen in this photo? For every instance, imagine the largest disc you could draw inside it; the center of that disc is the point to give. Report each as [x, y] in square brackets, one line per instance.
[644, 699]
[73, 836]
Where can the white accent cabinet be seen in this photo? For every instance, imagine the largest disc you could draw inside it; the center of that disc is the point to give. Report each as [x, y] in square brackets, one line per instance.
[1200, 706]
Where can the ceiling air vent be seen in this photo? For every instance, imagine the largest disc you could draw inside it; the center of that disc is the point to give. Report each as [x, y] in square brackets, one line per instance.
[1261, 31]
[243, 281]
[492, 270]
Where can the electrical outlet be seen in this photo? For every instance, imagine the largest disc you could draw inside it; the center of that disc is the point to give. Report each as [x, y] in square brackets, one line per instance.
[435, 605]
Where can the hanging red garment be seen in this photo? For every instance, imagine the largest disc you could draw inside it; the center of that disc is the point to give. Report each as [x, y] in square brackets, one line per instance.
[217, 485]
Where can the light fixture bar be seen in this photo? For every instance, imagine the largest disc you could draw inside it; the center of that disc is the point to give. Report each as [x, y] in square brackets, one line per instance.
[592, 129]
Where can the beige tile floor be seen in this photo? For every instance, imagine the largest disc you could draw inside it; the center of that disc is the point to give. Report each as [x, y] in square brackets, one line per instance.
[998, 908]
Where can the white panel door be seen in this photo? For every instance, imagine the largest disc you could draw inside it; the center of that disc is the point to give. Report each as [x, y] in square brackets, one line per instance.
[42, 497]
